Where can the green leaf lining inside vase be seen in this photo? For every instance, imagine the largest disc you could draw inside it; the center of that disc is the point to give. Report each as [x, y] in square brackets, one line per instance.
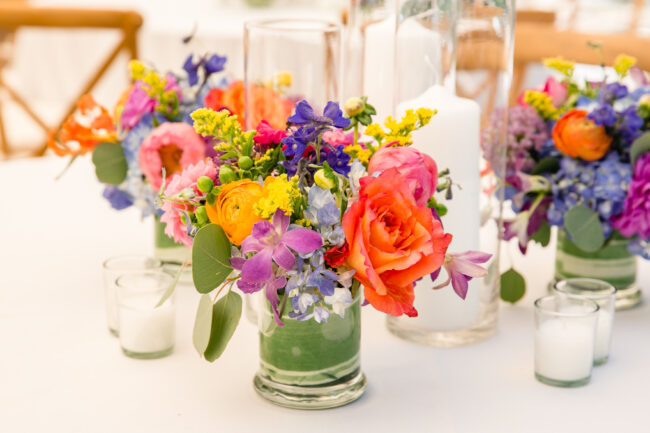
[513, 286]
[210, 258]
[226, 313]
[584, 228]
[110, 163]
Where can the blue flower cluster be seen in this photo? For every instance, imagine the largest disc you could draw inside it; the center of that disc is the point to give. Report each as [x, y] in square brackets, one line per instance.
[616, 111]
[599, 185]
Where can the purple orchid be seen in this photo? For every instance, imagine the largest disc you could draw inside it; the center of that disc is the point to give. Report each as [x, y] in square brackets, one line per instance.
[461, 268]
[271, 243]
[138, 104]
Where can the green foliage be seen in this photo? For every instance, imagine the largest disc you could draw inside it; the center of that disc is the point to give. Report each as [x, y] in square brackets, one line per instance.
[639, 147]
[110, 163]
[543, 234]
[202, 324]
[225, 318]
[513, 286]
[584, 228]
[546, 165]
[210, 258]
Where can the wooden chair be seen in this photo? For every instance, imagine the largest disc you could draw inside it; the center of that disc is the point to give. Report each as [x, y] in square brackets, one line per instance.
[536, 39]
[14, 16]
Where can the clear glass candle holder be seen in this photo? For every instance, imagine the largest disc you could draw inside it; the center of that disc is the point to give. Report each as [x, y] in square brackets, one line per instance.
[565, 335]
[602, 293]
[288, 60]
[112, 269]
[147, 331]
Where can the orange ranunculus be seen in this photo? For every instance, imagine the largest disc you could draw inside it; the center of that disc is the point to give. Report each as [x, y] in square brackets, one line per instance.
[577, 136]
[233, 210]
[266, 104]
[84, 129]
[393, 242]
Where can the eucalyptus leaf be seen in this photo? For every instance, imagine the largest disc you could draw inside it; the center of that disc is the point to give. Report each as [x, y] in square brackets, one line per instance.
[546, 165]
[172, 287]
[225, 318]
[543, 234]
[639, 147]
[202, 324]
[513, 286]
[110, 163]
[584, 228]
[210, 258]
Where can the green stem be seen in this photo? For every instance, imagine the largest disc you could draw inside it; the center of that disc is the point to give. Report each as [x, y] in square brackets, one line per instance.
[356, 133]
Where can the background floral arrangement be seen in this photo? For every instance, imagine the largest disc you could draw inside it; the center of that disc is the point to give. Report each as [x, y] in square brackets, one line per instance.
[149, 136]
[309, 212]
[577, 159]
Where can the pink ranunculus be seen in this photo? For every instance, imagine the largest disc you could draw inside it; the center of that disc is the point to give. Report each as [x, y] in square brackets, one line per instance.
[336, 137]
[174, 227]
[556, 90]
[268, 136]
[172, 146]
[418, 168]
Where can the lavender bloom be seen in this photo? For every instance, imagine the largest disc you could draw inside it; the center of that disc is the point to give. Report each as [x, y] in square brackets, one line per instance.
[118, 198]
[461, 268]
[271, 243]
[322, 209]
[611, 92]
[603, 115]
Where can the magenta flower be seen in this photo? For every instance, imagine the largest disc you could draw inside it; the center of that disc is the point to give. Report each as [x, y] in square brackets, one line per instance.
[461, 268]
[267, 136]
[271, 243]
[635, 218]
[138, 104]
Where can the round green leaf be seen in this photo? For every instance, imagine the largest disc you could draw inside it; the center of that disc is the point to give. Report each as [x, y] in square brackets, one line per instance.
[202, 324]
[513, 286]
[110, 163]
[640, 146]
[225, 318]
[546, 165]
[210, 258]
[584, 227]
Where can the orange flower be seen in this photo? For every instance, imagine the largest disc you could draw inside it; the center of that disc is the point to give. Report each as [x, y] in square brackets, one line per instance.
[393, 242]
[233, 210]
[576, 136]
[266, 104]
[83, 130]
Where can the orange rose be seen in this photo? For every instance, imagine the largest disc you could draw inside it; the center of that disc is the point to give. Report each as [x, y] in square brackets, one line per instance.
[233, 210]
[576, 136]
[393, 242]
[266, 104]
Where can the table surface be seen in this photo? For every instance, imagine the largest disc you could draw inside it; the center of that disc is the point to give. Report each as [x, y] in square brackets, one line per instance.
[61, 371]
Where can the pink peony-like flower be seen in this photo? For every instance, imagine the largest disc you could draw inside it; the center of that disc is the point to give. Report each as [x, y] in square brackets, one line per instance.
[635, 219]
[174, 227]
[172, 146]
[418, 168]
[336, 137]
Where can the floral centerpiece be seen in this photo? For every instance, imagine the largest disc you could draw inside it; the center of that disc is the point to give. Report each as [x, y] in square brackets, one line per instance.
[317, 220]
[149, 136]
[578, 160]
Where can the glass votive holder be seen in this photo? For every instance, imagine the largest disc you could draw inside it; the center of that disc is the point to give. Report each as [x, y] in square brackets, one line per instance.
[565, 332]
[602, 293]
[146, 331]
[113, 268]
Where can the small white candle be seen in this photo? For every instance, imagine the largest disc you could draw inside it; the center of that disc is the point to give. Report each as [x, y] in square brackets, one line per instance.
[564, 349]
[143, 328]
[603, 335]
[452, 140]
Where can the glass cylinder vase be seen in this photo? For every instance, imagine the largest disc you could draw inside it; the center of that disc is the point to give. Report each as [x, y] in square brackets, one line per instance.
[612, 263]
[310, 365]
[436, 41]
[166, 249]
[286, 61]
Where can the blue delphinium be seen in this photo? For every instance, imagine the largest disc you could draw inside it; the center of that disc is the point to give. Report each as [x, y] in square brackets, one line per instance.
[599, 185]
[210, 65]
[339, 160]
[119, 199]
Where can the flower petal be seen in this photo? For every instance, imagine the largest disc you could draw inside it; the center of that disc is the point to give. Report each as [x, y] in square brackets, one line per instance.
[258, 268]
[284, 258]
[280, 221]
[302, 240]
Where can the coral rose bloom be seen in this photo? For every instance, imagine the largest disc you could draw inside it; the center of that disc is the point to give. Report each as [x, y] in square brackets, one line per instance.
[173, 146]
[419, 169]
[576, 136]
[266, 104]
[393, 242]
[233, 210]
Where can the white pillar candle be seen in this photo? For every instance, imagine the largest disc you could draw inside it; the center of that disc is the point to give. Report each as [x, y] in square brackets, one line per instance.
[452, 140]
[378, 71]
[564, 349]
[603, 335]
[144, 328]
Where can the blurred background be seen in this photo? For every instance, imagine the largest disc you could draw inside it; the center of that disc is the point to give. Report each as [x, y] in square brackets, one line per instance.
[52, 51]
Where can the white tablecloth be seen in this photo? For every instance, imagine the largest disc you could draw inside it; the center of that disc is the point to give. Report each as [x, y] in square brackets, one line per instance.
[61, 371]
